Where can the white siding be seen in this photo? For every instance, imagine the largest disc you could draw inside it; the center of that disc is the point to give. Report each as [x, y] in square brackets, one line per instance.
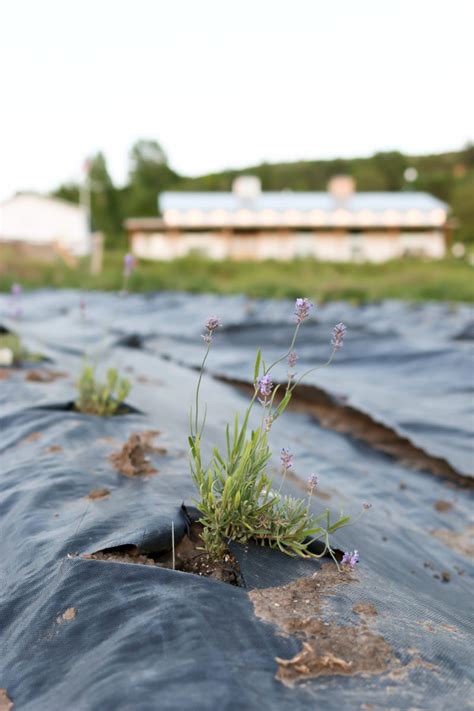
[332, 247]
[40, 220]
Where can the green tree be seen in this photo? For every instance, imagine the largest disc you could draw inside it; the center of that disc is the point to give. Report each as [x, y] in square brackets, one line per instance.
[105, 203]
[149, 174]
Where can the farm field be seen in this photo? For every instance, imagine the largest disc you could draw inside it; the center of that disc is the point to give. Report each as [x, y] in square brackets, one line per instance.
[97, 542]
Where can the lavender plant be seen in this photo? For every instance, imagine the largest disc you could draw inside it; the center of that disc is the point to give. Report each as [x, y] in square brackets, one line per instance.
[103, 399]
[236, 495]
[13, 352]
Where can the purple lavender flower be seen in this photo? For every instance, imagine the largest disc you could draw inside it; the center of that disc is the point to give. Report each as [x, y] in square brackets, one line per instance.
[292, 358]
[15, 308]
[264, 387]
[286, 459]
[366, 505]
[338, 333]
[302, 309]
[350, 560]
[128, 264]
[313, 481]
[211, 324]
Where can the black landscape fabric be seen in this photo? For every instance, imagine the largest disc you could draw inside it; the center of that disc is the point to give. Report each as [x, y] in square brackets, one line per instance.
[88, 634]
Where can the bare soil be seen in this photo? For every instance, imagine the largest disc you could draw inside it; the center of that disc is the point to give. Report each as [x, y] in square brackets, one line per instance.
[134, 457]
[336, 415]
[327, 648]
[462, 542]
[44, 376]
[189, 557]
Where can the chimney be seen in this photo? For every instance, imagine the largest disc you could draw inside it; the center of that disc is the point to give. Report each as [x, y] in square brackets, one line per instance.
[341, 187]
[247, 188]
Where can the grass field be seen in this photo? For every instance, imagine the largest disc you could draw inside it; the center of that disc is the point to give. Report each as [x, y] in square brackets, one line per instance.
[448, 280]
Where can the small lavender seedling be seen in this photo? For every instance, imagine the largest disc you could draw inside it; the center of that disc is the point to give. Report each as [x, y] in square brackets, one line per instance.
[14, 352]
[236, 498]
[102, 399]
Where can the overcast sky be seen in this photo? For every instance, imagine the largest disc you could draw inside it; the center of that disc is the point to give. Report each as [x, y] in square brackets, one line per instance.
[224, 83]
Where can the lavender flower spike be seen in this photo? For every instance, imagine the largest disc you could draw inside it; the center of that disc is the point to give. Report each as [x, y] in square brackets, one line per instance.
[292, 358]
[128, 264]
[16, 290]
[212, 323]
[338, 333]
[302, 309]
[286, 459]
[313, 481]
[264, 387]
[350, 560]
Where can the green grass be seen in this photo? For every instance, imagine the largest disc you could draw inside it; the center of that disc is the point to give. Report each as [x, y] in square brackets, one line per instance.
[447, 280]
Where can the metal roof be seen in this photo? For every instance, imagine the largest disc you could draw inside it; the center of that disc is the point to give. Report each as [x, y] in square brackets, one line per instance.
[288, 200]
[305, 209]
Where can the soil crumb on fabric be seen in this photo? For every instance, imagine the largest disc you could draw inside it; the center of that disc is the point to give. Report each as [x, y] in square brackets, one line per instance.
[133, 459]
[5, 702]
[53, 449]
[4, 375]
[364, 608]
[328, 648]
[460, 542]
[96, 494]
[442, 506]
[44, 376]
[67, 616]
[33, 437]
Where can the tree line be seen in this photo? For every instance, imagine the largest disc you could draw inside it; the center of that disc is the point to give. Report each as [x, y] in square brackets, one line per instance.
[448, 176]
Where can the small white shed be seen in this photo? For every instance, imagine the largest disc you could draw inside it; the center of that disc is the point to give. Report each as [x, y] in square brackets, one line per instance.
[38, 220]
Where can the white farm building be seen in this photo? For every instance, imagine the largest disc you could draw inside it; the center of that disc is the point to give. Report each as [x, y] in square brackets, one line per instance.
[37, 221]
[338, 225]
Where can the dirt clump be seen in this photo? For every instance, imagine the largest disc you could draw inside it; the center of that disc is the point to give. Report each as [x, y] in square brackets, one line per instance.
[442, 506]
[44, 376]
[364, 609]
[67, 616]
[462, 542]
[5, 702]
[53, 449]
[96, 494]
[336, 650]
[133, 459]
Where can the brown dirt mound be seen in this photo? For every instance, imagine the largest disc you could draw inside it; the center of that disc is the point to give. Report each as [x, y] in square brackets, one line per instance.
[133, 459]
